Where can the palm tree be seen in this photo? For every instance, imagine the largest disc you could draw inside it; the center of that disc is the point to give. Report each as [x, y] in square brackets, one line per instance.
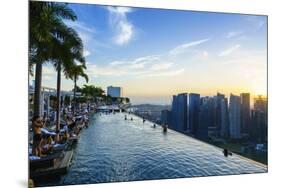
[46, 26]
[74, 73]
[66, 53]
[91, 92]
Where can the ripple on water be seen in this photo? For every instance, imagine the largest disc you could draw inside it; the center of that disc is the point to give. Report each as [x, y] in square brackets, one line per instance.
[113, 150]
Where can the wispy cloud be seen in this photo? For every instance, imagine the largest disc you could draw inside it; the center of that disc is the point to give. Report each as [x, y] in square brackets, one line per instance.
[229, 50]
[86, 53]
[123, 29]
[233, 34]
[256, 22]
[166, 73]
[80, 26]
[183, 47]
[205, 54]
[162, 66]
[139, 67]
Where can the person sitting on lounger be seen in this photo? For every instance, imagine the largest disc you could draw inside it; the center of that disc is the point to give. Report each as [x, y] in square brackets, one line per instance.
[47, 144]
[37, 124]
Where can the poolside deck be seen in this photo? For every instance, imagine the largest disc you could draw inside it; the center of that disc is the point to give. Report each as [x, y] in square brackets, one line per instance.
[60, 167]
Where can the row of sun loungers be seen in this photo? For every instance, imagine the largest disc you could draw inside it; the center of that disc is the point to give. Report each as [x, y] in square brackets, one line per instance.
[58, 161]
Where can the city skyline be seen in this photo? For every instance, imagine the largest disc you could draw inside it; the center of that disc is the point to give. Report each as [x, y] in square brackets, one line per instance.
[156, 53]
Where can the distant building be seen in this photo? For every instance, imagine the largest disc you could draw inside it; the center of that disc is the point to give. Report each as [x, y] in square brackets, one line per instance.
[218, 115]
[259, 123]
[115, 91]
[245, 112]
[260, 103]
[204, 118]
[234, 117]
[258, 132]
[174, 111]
[224, 118]
[180, 112]
[165, 117]
[194, 108]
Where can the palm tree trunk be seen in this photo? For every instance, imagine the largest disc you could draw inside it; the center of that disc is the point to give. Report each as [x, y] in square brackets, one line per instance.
[37, 89]
[74, 95]
[58, 97]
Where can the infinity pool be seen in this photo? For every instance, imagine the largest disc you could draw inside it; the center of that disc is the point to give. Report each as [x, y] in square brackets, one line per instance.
[113, 149]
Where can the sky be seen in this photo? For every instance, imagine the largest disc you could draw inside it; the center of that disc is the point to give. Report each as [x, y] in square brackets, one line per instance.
[156, 53]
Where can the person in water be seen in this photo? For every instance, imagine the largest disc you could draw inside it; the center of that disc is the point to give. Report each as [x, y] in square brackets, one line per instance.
[226, 152]
[37, 124]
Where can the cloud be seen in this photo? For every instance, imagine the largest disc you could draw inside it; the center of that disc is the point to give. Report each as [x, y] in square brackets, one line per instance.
[205, 54]
[229, 50]
[139, 67]
[257, 22]
[183, 47]
[162, 66]
[80, 26]
[86, 53]
[232, 34]
[166, 73]
[123, 29]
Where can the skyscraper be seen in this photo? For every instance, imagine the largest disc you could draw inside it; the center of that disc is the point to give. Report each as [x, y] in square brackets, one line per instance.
[204, 118]
[260, 103]
[182, 115]
[165, 117]
[259, 120]
[234, 117]
[245, 112]
[114, 91]
[224, 121]
[180, 112]
[218, 115]
[194, 108]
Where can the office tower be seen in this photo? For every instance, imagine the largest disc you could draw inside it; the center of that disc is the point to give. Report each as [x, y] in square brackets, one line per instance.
[234, 117]
[224, 121]
[204, 118]
[245, 112]
[182, 115]
[114, 91]
[165, 117]
[194, 108]
[260, 103]
[179, 112]
[259, 123]
[174, 113]
[218, 115]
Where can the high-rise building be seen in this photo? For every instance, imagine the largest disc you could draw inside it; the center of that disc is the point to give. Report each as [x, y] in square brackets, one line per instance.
[182, 121]
[165, 117]
[224, 121]
[179, 112]
[114, 91]
[194, 108]
[204, 118]
[260, 103]
[234, 117]
[218, 115]
[259, 123]
[174, 111]
[245, 112]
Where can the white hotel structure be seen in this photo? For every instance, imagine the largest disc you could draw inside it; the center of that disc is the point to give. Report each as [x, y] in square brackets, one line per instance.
[115, 91]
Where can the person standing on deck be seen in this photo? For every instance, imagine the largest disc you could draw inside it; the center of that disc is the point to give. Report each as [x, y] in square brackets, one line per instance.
[37, 124]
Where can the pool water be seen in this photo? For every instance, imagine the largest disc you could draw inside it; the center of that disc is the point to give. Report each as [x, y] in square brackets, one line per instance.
[113, 149]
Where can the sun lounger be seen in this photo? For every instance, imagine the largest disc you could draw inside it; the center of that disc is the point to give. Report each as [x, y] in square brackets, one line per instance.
[43, 162]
